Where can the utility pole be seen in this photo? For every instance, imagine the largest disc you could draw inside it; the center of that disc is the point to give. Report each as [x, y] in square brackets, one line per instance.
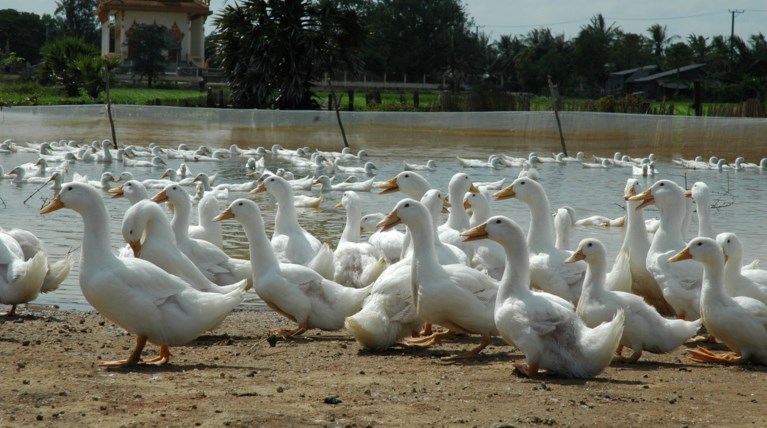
[733, 12]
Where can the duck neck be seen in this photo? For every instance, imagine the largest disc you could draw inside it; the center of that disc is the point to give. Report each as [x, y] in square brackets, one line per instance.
[262, 257]
[286, 218]
[457, 219]
[669, 234]
[713, 282]
[593, 282]
[704, 220]
[733, 272]
[96, 251]
[180, 221]
[636, 230]
[351, 231]
[541, 233]
[424, 252]
[516, 275]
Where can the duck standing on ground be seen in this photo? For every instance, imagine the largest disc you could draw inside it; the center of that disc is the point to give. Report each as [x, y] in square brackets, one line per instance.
[644, 329]
[542, 325]
[739, 322]
[133, 293]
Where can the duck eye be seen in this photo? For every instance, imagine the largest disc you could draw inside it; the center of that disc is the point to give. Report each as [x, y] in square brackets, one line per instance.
[728, 241]
[498, 221]
[407, 175]
[240, 204]
[662, 184]
[522, 183]
[590, 244]
[407, 205]
[700, 243]
[130, 232]
[69, 188]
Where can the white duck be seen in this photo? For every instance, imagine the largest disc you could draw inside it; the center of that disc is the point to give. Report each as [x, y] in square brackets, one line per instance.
[210, 259]
[564, 223]
[738, 281]
[408, 182]
[701, 195]
[389, 242]
[232, 187]
[156, 162]
[368, 169]
[292, 290]
[454, 296]
[133, 293]
[458, 219]
[173, 175]
[430, 165]
[133, 190]
[22, 279]
[644, 328]
[207, 229]
[488, 254]
[542, 325]
[291, 242]
[739, 322]
[629, 272]
[547, 268]
[680, 282]
[493, 161]
[327, 186]
[356, 262]
[147, 230]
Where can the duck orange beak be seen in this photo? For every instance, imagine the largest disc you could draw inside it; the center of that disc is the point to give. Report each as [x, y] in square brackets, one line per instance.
[160, 197]
[390, 221]
[164, 175]
[506, 193]
[55, 204]
[576, 256]
[645, 196]
[118, 193]
[688, 193]
[475, 233]
[225, 215]
[473, 188]
[629, 193]
[136, 247]
[390, 186]
[466, 204]
[260, 189]
[682, 255]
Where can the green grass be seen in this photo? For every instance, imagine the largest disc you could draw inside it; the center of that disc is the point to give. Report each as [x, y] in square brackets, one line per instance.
[31, 93]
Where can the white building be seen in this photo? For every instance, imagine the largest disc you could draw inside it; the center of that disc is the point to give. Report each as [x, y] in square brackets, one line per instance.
[184, 19]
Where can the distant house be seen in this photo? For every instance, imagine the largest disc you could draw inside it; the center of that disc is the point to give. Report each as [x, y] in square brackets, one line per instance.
[184, 20]
[617, 81]
[668, 82]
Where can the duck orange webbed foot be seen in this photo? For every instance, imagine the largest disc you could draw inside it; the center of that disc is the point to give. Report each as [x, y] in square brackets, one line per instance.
[527, 370]
[434, 339]
[703, 355]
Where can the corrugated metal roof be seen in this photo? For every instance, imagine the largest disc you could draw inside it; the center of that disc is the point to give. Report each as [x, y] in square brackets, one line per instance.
[669, 73]
[633, 70]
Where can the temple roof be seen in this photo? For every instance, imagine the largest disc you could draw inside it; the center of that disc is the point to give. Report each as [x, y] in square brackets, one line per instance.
[193, 7]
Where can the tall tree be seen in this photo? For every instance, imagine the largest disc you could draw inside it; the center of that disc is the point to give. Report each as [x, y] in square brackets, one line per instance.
[631, 50]
[147, 43]
[544, 54]
[699, 46]
[417, 38]
[58, 67]
[591, 52]
[503, 68]
[22, 33]
[78, 18]
[272, 50]
[660, 39]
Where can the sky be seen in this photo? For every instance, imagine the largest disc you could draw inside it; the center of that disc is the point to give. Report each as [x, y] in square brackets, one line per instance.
[498, 17]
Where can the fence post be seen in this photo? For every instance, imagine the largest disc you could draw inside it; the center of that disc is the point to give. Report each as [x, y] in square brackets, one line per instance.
[416, 99]
[351, 99]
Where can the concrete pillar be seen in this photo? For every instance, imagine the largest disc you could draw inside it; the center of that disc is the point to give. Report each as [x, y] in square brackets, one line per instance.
[105, 37]
[186, 42]
[198, 39]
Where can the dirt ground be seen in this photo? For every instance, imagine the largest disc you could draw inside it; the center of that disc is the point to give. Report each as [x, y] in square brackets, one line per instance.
[233, 376]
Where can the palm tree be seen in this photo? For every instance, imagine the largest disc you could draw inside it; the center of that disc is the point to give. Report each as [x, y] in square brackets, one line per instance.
[658, 35]
[272, 50]
[699, 47]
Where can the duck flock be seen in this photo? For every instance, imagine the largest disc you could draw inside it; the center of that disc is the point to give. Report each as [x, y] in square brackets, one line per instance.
[417, 277]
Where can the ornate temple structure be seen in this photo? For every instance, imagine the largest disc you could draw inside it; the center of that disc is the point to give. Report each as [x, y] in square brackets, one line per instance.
[184, 19]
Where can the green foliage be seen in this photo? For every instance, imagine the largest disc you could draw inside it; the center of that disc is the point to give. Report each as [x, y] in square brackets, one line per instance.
[58, 66]
[272, 50]
[147, 42]
[90, 71]
[21, 32]
[77, 19]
